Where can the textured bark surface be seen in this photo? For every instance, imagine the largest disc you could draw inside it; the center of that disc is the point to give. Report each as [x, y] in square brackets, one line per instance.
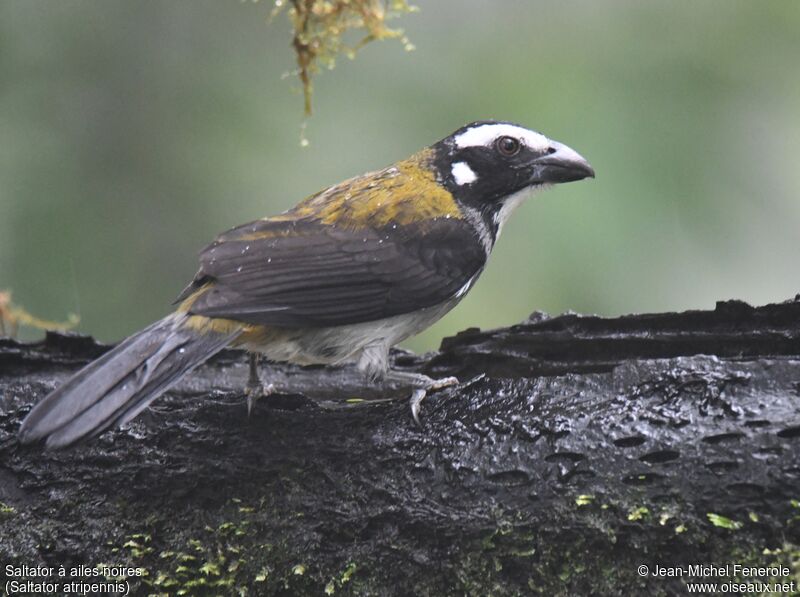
[588, 447]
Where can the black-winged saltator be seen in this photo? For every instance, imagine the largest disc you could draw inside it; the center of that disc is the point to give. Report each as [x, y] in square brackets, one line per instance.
[340, 278]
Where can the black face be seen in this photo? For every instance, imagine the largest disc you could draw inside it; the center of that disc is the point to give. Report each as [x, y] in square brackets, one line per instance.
[485, 162]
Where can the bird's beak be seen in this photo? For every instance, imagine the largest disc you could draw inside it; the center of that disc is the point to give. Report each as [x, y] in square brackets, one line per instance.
[562, 165]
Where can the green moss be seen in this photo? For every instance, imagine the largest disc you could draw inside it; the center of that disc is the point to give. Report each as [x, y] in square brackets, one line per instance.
[211, 568]
[723, 522]
[262, 575]
[598, 549]
[320, 27]
[638, 513]
[299, 569]
[6, 510]
[342, 579]
[138, 545]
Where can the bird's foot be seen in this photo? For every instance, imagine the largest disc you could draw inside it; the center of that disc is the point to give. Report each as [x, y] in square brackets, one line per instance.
[254, 391]
[422, 385]
[418, 395]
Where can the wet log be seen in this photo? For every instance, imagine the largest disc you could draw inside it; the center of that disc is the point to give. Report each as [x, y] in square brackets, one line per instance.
[578, 449]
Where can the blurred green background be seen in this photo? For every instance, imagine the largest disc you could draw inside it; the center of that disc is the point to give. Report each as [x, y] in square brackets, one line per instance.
[132, 132]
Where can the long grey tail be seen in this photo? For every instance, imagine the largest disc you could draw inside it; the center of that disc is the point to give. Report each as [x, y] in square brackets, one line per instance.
[116, 387]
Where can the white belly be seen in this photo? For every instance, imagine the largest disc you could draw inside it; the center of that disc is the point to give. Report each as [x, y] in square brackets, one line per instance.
[344, 344]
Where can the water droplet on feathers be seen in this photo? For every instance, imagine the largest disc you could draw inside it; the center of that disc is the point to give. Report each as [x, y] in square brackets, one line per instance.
[238, 269]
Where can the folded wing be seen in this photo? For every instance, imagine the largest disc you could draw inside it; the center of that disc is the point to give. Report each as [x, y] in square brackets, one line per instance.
[302, 273]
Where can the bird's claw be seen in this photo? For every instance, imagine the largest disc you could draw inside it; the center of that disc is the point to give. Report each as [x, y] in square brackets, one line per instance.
[418, 395]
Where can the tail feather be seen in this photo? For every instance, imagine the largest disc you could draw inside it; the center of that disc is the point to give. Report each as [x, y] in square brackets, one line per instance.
[116, 387]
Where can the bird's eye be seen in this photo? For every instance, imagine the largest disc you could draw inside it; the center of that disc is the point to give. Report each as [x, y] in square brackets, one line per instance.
[508, 146]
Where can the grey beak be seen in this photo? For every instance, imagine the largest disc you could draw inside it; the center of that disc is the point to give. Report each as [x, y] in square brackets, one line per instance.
[563, 164]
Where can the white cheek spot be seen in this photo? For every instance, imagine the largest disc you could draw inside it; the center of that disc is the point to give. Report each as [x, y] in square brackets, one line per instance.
[463, 174]
[486, 134]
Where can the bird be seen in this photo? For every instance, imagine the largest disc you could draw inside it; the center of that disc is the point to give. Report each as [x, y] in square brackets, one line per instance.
[339, 279]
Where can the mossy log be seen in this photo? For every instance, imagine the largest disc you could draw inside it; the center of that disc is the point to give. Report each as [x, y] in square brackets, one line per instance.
[576, 450]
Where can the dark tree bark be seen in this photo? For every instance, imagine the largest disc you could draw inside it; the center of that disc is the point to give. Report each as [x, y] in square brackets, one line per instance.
[585, 448]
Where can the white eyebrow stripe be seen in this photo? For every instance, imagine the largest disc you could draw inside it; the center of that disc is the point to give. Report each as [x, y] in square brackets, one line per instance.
[486, 134]
[463, 174]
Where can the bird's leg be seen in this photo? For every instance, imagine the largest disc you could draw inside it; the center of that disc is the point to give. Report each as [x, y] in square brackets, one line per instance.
[374, 363]
[254, 388]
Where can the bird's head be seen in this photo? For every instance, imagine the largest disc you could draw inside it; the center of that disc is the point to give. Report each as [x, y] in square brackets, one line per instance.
[492, 166]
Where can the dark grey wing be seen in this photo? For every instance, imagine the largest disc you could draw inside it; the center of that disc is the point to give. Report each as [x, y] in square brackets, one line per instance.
[302, 273]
